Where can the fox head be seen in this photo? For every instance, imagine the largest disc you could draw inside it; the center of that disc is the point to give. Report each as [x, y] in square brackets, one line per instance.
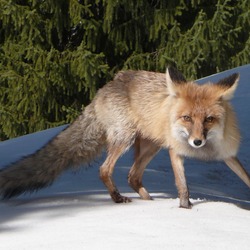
[199, 112]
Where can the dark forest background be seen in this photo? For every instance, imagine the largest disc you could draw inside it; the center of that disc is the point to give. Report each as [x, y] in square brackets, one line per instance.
[55, 54]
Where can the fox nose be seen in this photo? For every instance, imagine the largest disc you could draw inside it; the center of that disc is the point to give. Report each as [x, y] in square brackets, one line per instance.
[197, 142]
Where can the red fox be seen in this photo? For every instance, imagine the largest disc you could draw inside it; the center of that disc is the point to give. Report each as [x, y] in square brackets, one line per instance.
[146, 110]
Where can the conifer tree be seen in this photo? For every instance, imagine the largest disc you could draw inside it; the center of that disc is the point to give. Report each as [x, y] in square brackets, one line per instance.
[48, 66]
[54, 55]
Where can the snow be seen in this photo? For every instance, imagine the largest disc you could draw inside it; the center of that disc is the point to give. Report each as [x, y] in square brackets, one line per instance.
[77, 213]
[92, 222]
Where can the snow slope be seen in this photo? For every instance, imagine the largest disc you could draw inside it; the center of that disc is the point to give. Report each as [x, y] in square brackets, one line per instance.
[77, 213]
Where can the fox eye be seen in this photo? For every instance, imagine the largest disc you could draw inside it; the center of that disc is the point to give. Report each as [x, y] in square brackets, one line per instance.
[187, 118]
[209, 119]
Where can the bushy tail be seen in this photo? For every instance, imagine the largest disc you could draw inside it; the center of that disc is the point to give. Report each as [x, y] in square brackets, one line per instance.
[80, 143]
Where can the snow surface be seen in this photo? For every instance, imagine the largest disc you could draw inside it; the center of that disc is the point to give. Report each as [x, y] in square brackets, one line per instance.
[77, 213]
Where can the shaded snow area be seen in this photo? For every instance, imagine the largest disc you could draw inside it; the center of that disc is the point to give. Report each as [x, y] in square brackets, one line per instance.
[76, 212]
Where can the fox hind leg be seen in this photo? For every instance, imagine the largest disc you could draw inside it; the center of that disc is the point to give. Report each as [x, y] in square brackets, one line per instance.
[106, 171]
[145, 150]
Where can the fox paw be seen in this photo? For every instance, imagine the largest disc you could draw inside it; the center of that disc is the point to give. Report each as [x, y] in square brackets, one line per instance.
[118, 198]
[186, 204]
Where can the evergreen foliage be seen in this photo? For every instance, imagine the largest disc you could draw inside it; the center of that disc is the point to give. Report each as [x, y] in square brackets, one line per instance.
[54, 55]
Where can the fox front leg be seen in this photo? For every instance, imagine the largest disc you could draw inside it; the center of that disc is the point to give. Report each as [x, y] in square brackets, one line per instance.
[234, 164]
[180, 179]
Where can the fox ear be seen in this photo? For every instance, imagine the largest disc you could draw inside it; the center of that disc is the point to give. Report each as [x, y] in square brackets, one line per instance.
[173, 79]
[228, 86]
